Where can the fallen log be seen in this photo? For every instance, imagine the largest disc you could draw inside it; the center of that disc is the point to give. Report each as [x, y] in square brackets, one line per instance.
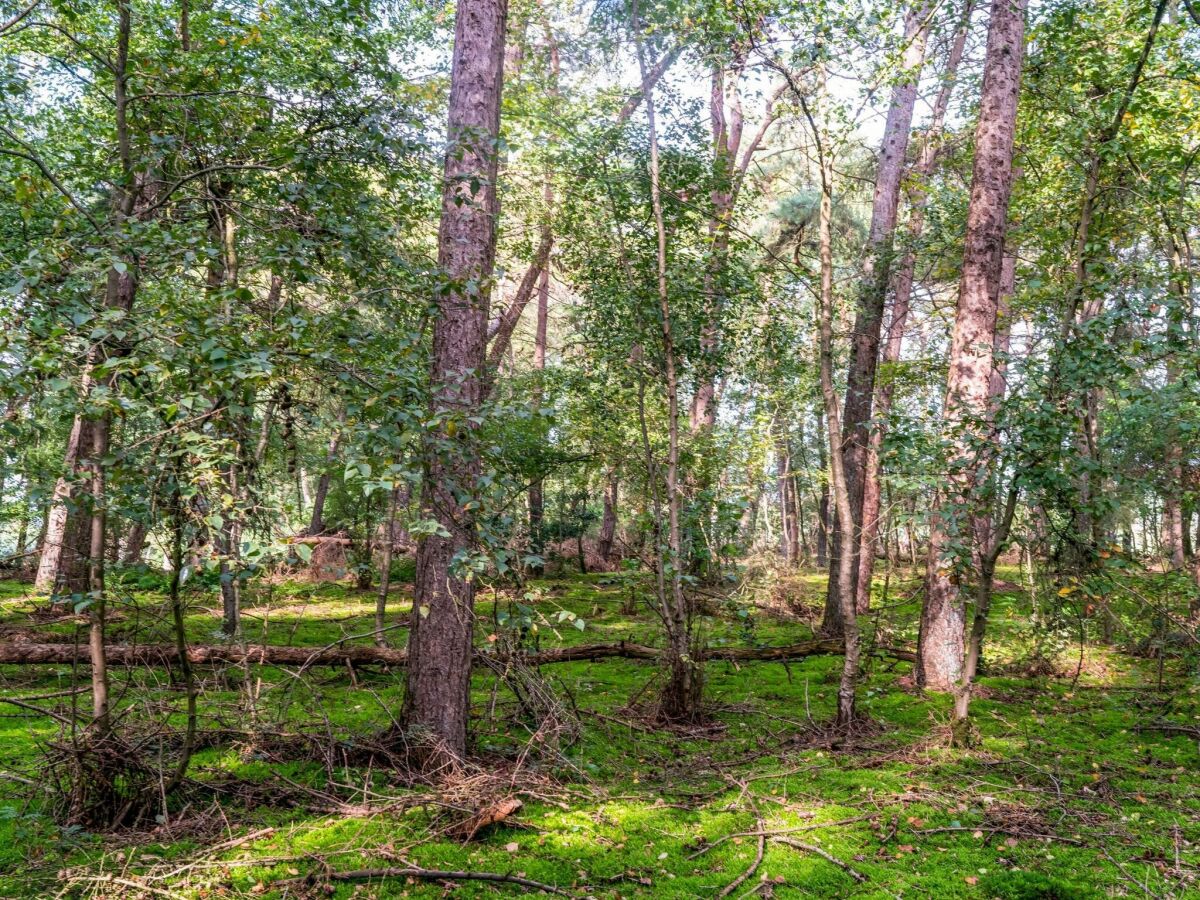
[26, 654]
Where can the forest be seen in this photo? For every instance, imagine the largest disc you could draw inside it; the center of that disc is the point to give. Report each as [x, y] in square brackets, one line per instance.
[603, 449]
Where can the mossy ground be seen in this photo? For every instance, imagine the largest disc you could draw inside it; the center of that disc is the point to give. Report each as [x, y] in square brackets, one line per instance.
[1068, 794]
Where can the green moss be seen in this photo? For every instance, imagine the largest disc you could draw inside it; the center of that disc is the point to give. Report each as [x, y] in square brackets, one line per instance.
[627, 810]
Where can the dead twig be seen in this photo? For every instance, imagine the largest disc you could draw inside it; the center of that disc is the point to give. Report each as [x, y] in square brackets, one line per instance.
[432, 875]
[824, 854]
[758, 858]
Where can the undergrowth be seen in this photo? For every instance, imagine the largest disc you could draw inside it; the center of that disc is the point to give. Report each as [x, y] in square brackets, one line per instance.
[1084, 783]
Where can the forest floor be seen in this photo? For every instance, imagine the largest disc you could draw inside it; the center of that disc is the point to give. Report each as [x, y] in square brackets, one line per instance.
[1079, 787]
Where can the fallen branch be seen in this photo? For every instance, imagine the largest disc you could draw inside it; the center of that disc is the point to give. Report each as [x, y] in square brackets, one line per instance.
[824, 854]
[269, 655]
[995, 829]
[434, 875]
[758, 858]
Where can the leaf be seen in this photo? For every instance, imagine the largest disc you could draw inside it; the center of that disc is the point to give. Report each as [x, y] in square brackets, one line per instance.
[304, 551]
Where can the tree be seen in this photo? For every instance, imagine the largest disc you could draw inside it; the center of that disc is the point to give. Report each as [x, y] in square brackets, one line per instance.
[437, 692]
[868, 321]
[968, 384]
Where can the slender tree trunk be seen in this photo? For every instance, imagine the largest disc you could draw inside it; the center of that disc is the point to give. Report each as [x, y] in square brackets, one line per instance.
[608, 523]
[181, 645]
[868, 322]
[98, 599]
[841, 490]
[787, 519]
[900, 309]
[23, 527]
[437, 692]
[823, 522]
[537, 503]
[385, 569]
[681, 695]
[316, 523]
[940, 642]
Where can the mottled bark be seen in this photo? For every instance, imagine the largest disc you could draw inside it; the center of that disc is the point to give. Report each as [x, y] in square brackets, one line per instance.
[898, 324]
[437, 692]
[868, 320]
[943, 615]
[990, 537]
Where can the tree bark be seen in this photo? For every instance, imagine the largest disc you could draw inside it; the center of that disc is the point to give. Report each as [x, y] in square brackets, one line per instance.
[135, 544]
[787, 508]
[885, 393]
[437, 692]
[385, 568]
[316, 523]
[940, 644]
[681, 695]
[61, 561]
[823, 523]
[608, 523]
[990, 538]
[868, 320]
[356, 654]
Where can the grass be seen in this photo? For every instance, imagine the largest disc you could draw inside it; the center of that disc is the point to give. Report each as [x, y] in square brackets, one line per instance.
[1069, 795]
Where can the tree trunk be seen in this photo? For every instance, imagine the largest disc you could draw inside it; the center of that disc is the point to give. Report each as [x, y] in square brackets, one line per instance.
[608, 523]
[316, 523]
[62, 564]
[18, 654]
[787, 518]
[537, 502]
[135, 544]
[836, 435]
[437, 692]
[681, 695]
[940, 643]
[385, 569]
[868, 320]
[900, 309]
[990, 539]
[822, 541]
